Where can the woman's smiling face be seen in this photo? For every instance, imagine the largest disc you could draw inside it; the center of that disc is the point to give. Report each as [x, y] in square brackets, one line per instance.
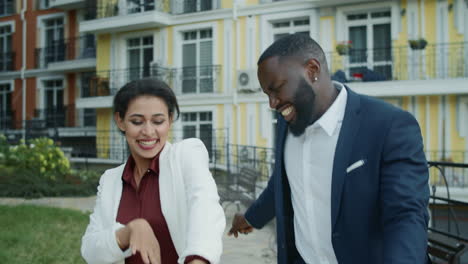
[146, 125]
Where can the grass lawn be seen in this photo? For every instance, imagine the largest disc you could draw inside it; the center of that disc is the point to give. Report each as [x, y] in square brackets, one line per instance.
[35, 234]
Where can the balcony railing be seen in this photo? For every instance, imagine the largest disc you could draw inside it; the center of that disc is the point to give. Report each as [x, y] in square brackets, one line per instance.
[191, 6]
[436, 61]
[65, 116]
[7, 120]
[83, 47]
[7, 7]
[197, 80]
[104, 9]
[7, 61]
[448, 242]
[184, 81]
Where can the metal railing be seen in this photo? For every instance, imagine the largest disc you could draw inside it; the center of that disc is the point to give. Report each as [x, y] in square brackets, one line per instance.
[436, 61]
[97, 10]
[7, 120]
[452, 176]
[7, 7]
[103, 9]
[63, 116]
[7, 61]
[82, 47]
[449, 217]
[187, 80]
[197, 80]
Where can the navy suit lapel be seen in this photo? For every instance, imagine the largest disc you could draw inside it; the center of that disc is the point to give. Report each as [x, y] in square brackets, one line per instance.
[349, 129]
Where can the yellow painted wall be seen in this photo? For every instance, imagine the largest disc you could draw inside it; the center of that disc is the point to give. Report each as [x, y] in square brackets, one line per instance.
[422, 115]
[405, 100]
[261, 141]
[226, 3]
[103, 119]
[243, 125]
[430, 9]
[220, 51]
[337, 61]
[234, 124]
[103, 48]
[241, 22]
[434, 126]
[252, 2]
[457, 143]
[400, 52]
[457, 61]
[170, 46]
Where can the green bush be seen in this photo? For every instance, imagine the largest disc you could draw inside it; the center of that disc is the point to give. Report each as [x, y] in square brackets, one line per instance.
[39, 169]
[41, 156]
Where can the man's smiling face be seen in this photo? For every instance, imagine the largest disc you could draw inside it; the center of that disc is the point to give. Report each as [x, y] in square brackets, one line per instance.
[288, 91]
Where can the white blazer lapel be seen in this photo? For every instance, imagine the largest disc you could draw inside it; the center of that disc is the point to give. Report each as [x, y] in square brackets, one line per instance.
[117, 191]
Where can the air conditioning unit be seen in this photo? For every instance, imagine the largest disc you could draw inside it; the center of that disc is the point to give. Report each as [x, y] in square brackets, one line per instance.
[247, 81]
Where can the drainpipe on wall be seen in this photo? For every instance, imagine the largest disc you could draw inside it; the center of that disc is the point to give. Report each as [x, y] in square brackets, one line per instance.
[23, 69]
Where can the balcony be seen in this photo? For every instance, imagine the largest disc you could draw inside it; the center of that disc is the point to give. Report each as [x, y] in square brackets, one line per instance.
[7, 61]
[65, 116]
[436, 61]
[68, 55]
[7, 8]
[114, 16]
[67, 4]
[144, 14]
[197, 80]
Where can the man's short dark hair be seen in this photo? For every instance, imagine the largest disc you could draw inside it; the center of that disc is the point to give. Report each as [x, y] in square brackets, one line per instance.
[294, 45]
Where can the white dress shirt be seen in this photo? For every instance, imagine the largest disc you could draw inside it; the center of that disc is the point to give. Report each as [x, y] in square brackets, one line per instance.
[309, 164]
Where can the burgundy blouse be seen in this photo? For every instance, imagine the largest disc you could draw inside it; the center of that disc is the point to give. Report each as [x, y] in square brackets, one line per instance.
[144, 202]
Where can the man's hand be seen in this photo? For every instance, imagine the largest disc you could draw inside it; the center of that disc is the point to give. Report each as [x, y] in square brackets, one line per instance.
[239, 225]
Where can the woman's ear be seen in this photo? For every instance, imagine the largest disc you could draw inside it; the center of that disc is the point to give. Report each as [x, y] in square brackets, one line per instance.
[119, 121]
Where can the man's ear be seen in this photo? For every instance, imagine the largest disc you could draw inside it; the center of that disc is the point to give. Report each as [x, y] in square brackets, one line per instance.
[313, 68]
[119, 122]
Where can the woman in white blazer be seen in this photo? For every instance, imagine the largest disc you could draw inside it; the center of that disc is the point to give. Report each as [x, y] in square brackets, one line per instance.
[162, 205]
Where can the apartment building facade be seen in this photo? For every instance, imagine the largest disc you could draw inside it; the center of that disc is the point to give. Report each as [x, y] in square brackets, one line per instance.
[45, 63]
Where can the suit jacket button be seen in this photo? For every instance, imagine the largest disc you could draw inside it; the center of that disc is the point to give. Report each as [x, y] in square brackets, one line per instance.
[335, 235]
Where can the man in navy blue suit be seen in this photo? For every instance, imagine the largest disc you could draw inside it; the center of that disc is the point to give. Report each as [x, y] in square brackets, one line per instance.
[350, 182]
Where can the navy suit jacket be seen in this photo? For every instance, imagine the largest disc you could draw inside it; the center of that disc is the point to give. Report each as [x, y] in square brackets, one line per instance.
[379, 210]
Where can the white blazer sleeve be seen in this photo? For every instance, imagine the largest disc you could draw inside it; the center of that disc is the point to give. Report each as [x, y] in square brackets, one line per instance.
[99, 244]
[206, 220]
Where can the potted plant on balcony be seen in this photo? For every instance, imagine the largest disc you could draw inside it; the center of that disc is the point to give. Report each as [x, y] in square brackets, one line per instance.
[343, 47]
[417, 44]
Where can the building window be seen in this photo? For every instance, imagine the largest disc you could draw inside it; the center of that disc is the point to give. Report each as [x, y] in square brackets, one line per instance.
[7, 7]
[140, 56]
[6, 55]
[199, 125]
[370, 35]
[54, 111]
[191, 6]
[291, 26]
[197, 61]
[6, 114]
[54, 49]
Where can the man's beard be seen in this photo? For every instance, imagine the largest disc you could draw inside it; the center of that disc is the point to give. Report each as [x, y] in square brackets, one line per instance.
[304, 106]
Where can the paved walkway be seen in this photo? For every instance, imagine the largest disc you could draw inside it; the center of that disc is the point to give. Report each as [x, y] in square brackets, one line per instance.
[257, 247]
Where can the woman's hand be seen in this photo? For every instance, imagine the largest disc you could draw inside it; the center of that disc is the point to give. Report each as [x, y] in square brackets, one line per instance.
[139, 237]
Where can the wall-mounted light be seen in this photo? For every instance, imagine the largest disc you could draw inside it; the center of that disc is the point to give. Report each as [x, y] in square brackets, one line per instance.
[403, 12]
